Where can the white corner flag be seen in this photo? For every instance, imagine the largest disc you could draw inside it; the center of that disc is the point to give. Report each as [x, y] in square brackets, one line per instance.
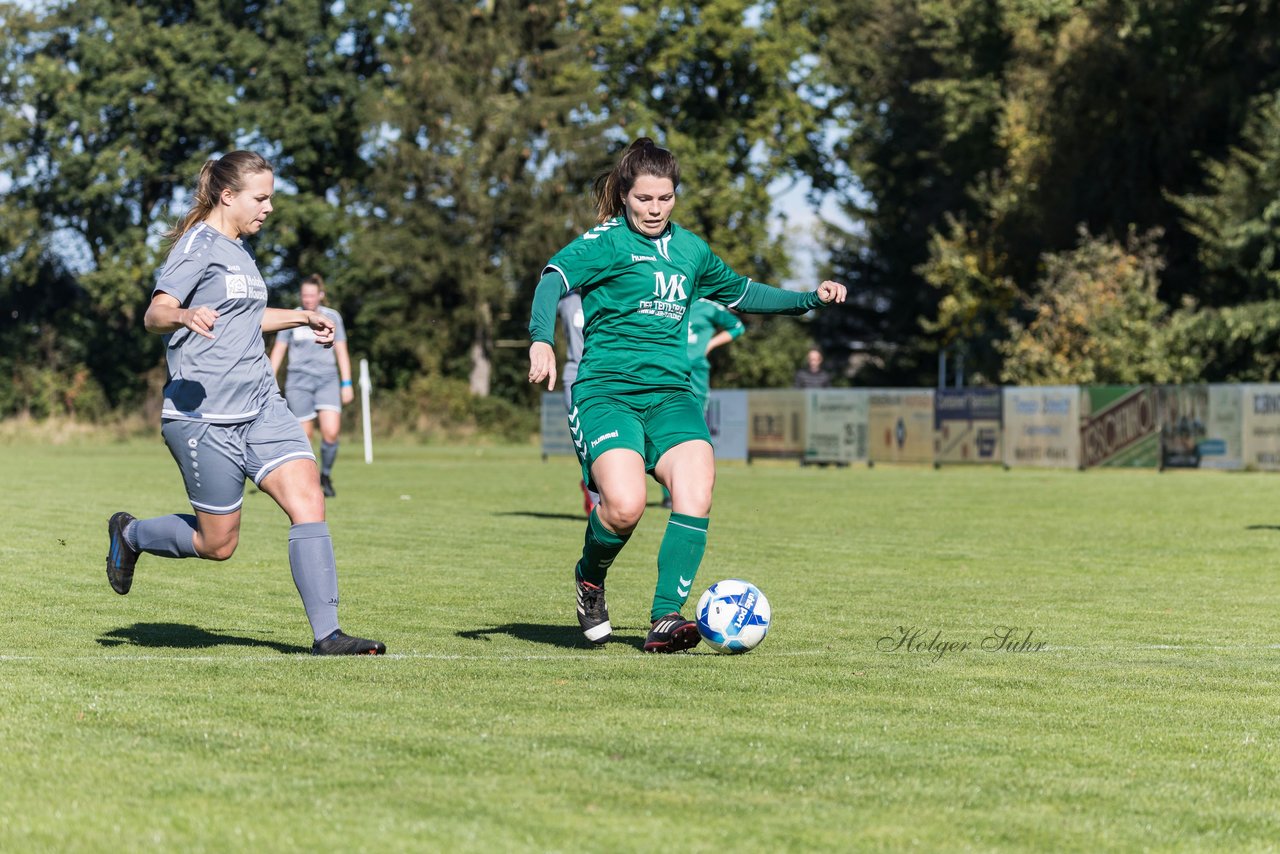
[365, 387]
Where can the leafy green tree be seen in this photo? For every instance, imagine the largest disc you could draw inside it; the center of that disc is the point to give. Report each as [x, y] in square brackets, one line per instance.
[1225, 344]
[767, 355]
[111, 107]
[1095, 318]
[984, 134]
[487, 143]
[1232, 334]
[1236, 218]
[720, 83]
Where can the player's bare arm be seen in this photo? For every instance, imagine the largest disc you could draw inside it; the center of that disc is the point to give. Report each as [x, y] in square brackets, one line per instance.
[344, 371]
[277, 354]
[166, 314]
[276, 319]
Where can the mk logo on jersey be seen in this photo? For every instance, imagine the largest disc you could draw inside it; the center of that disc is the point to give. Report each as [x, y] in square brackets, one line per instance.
[669, 290]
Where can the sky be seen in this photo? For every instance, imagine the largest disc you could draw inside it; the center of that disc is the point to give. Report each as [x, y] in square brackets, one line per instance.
[804, 228]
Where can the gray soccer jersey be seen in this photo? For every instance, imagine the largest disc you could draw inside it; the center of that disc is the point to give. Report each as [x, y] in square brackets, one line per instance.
[308, 357]
[570, 309]
[226, 379]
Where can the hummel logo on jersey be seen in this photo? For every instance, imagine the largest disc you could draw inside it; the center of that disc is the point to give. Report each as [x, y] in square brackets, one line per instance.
[669, 290]
[612, 434]
[638, 258]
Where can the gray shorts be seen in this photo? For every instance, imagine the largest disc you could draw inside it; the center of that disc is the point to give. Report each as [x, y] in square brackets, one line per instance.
[309, 394]
[216, 458]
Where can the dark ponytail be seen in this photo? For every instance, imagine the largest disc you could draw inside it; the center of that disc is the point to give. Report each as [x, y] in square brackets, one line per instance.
[642, 157]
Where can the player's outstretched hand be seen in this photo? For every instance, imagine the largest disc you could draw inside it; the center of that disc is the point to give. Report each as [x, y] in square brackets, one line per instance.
[542, 364]
[322, 326]
[830, 292]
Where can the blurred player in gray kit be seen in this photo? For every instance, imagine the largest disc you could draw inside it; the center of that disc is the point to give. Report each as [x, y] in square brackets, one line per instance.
[570, 310]
[317, 383]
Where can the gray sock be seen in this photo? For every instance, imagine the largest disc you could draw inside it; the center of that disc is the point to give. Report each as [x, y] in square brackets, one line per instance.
[166, 536]
[328, 453]
[315, 574]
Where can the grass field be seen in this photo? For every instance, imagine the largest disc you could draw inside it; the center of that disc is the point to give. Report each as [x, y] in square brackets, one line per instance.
[187, 716]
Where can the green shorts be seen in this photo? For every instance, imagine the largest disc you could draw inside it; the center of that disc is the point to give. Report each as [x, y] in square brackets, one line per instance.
[649, 423]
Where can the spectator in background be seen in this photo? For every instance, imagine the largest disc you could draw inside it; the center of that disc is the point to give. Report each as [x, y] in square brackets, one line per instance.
[812, 375]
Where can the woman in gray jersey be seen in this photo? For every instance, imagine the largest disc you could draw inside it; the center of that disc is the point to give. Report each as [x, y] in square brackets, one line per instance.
[570, 311]
[317, 383]
[223, 418]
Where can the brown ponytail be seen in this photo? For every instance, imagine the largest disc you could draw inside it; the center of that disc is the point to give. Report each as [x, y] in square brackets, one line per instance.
[225, 173]
[642, 157]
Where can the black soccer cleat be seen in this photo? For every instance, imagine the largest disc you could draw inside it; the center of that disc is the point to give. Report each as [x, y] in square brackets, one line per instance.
[121, 557]
[593, 613]
[326, 486]
[339, 643]
[672, 633]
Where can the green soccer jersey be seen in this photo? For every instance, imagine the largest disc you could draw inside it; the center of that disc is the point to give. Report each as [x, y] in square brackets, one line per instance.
[636, 292]
[707, 318]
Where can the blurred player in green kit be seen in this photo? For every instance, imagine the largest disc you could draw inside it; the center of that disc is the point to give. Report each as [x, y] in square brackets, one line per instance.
[711, 325]
[634, 410]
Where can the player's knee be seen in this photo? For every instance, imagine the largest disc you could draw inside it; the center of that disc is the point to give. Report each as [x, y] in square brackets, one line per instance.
[693, 495]
[221, 550]
[697, 504]
[622, 515]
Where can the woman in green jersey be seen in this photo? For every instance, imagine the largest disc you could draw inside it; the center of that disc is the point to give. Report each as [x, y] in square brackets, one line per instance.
[634, 412]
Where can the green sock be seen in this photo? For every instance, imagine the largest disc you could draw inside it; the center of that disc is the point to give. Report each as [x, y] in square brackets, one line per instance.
[599, 548]
[678, 559]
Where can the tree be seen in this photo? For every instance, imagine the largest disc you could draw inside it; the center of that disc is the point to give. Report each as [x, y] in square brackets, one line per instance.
[1095, 318]
[984, 134]
[1236, 218]
[720, 84]
[110, 109]
[487, 143]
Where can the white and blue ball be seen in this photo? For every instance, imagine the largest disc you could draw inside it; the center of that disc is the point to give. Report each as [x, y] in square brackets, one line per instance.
[733, 616]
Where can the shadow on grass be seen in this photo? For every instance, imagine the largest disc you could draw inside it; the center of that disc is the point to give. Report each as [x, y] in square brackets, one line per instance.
[1262, 527]
[565, 637]
[571, 517]
[531, 514]
[179, 636]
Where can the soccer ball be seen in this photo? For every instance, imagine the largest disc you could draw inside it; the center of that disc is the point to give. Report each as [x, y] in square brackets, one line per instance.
[733, 616]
